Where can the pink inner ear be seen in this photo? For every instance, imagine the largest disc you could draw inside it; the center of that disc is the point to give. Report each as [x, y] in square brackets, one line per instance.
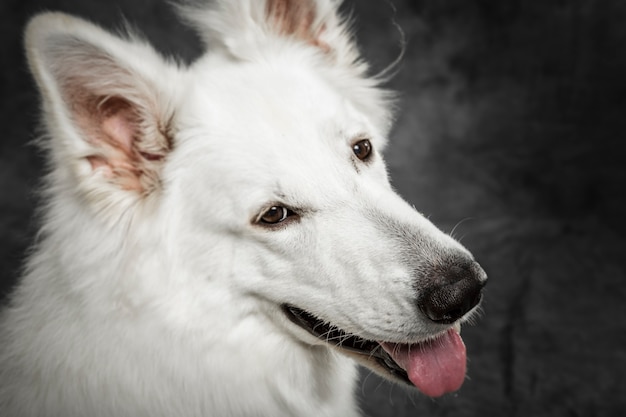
[296, 18]
[120, 130]
[112, 125]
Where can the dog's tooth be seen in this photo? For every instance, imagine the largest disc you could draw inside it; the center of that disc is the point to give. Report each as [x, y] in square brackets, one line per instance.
[457, 327]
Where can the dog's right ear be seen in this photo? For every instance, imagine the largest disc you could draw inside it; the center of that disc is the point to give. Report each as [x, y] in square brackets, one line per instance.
[107, 107]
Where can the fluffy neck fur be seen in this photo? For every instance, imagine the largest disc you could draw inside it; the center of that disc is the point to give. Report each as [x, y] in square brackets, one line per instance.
[67, 289]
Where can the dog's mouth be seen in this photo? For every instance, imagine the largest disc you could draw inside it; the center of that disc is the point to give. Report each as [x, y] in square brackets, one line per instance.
[435, 366]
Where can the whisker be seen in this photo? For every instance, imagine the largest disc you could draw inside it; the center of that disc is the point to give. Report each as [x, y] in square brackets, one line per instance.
[460, 222]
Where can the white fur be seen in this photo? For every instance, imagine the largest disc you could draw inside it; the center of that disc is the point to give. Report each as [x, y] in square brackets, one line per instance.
[165, 300]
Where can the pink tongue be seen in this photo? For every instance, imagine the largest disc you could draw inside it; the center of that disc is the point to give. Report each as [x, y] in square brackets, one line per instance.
[435, 367]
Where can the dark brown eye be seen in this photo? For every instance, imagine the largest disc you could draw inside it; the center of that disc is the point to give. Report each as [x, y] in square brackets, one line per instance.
[275, 215]
[362, 149]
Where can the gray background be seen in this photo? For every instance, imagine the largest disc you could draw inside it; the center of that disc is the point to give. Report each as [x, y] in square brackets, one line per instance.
[511, 128]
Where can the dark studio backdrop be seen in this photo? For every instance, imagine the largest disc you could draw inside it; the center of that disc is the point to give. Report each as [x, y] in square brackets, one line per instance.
[510, 131]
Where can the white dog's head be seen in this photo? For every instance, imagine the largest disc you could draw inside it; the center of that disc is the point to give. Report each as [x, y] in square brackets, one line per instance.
[258, 169]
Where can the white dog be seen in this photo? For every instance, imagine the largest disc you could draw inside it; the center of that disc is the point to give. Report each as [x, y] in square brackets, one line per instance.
[222, 239]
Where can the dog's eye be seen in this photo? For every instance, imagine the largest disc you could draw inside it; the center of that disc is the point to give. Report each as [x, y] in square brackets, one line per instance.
[275, 215]
[362, 149]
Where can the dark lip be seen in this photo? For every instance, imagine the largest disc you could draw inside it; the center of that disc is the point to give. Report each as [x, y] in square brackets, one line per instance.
[334, 336]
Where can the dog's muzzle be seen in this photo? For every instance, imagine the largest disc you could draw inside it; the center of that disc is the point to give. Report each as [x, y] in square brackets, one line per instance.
[448, 286]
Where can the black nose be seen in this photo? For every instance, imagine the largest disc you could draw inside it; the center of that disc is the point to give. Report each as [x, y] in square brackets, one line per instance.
[451, 293]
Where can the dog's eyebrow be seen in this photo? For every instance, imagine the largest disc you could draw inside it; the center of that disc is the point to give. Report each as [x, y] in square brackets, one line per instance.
[279, 197]
[361, 134]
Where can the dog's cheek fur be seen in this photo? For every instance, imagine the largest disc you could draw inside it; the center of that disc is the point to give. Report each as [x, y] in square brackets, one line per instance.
[109, 116]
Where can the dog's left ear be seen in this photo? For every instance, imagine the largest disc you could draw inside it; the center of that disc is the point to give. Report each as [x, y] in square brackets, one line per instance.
[251, 30]
[107, 107]
[245, 28]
